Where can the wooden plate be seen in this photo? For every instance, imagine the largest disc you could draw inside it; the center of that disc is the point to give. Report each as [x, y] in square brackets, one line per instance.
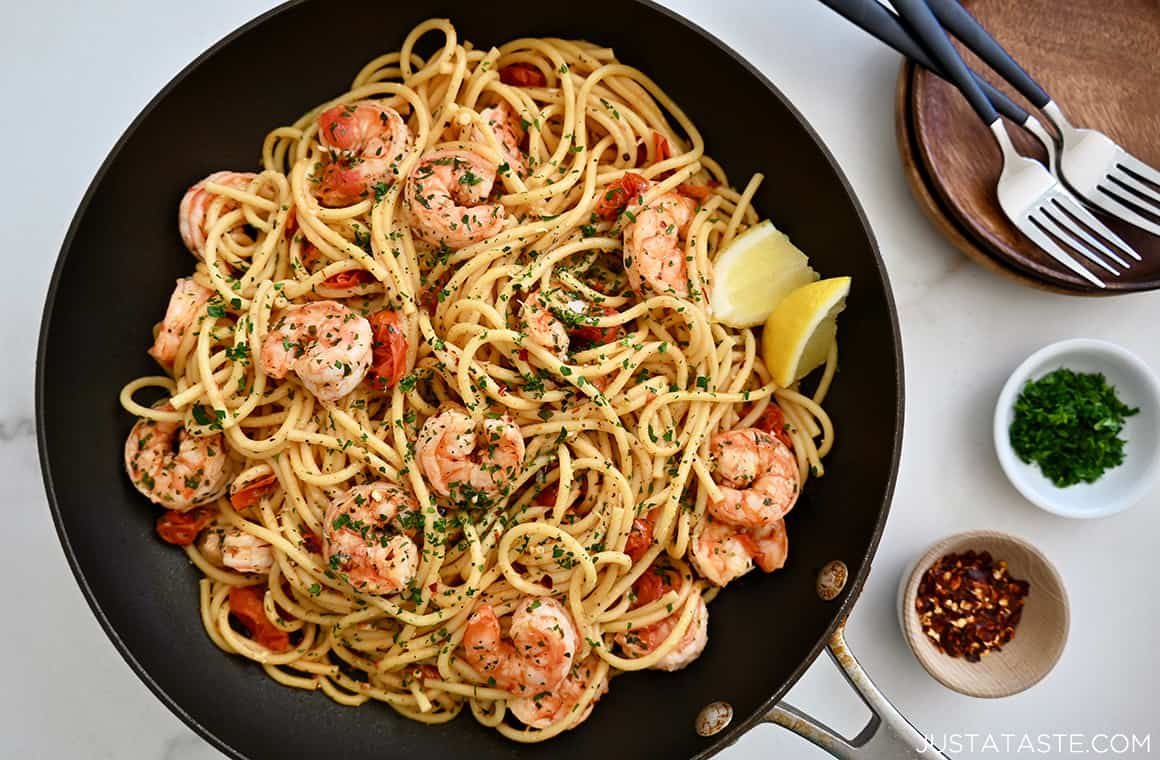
[920, 187]
[1098, 60]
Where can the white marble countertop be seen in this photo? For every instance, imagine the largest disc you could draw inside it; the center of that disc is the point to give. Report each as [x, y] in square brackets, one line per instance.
[74, 77]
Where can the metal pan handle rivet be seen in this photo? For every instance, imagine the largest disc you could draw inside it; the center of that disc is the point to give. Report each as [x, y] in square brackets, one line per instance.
[832, 579]
[713, 718]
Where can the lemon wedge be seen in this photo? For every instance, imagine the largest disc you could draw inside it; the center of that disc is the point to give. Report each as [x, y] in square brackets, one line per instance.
[798, 334]
[754, 272]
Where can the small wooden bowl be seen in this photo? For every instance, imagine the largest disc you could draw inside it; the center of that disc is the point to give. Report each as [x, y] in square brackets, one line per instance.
[1088, 56]
[1039, 637]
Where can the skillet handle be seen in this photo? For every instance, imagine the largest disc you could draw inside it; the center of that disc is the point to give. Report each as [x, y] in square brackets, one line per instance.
[888, 735]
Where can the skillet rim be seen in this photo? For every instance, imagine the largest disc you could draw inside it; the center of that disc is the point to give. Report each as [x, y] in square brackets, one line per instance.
[856, 583]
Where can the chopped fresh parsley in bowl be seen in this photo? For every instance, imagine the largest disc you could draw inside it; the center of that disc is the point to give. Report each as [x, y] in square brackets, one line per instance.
[1077, 430]
[1069, 423]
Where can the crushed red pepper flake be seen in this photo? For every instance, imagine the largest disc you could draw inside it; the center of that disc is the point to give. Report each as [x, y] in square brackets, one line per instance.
[969, 605]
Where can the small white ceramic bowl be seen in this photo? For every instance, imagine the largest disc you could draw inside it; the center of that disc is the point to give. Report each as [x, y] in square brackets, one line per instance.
[1136, 385]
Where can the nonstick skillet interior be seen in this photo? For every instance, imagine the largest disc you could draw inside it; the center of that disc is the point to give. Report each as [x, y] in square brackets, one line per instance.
[123, 253]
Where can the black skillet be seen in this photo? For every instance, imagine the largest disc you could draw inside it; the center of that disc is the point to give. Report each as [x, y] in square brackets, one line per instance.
[123, 253]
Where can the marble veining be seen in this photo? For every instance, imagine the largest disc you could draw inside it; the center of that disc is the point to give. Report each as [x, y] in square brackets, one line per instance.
[187, 746]
[13, 428]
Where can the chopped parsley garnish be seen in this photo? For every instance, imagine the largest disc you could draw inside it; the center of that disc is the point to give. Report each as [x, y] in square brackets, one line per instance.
[208, 416]
[1069, 424]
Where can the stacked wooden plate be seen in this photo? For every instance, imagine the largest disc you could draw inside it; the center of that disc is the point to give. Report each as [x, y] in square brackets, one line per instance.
[1100, 60]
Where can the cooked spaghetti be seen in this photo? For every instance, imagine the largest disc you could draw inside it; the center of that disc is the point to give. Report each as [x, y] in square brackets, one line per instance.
[446, 420]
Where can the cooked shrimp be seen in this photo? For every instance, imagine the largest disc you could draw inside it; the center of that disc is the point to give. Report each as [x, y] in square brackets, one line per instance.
[365, 537]
[690, 646]
[723, 552]
[758, 475]
[235, 549]
[640, 641]
[653, 255]
[193, 218]
[173, 468]
[571, 319]
[365, 142]
[543, 709]
[720, 552]
[184, 306]
[770, 546]
[325, 343]
[538, 657]
[542, 326]
[209, 543]
[446, 194]
[246, 553]
[447, 455]
[509, 131]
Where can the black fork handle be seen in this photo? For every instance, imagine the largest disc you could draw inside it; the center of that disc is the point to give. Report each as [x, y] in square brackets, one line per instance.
[959, 22]
[930, 34]
[876, 20]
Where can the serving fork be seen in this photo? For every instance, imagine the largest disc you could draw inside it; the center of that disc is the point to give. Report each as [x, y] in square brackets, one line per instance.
[1091, 163]
[1034, 200]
